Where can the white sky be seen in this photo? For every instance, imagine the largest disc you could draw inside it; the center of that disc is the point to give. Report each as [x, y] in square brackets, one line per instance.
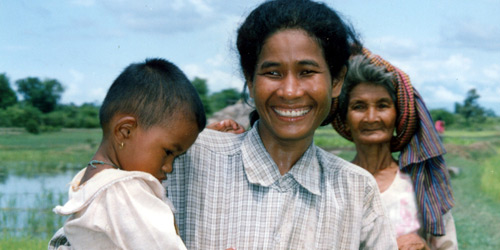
[447, 47]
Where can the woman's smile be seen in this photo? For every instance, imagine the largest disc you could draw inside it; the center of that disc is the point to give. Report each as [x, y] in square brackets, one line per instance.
[291, 112]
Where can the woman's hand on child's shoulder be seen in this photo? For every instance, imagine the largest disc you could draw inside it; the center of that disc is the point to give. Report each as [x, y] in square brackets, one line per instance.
[411, 241]
[228, 126]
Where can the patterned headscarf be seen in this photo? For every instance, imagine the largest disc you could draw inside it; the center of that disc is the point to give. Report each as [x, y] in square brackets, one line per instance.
[421, 149]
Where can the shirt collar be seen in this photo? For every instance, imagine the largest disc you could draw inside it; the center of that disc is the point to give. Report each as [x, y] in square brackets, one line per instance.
[262, 170]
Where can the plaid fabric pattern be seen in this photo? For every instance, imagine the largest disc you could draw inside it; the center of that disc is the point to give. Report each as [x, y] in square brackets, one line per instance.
[229, 192]
[421, 149]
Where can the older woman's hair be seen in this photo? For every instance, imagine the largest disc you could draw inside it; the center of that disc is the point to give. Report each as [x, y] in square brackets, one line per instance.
[362, 70]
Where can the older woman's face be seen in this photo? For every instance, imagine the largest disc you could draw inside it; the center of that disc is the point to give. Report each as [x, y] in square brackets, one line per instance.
[292, 86]
[371, 114]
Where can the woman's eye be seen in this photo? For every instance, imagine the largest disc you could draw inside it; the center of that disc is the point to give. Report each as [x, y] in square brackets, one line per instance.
[308, 72]
[356, 107]
[272, 73]
[383, 105]
[168, 152]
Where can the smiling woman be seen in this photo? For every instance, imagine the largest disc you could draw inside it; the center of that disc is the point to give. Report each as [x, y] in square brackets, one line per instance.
[271, 187]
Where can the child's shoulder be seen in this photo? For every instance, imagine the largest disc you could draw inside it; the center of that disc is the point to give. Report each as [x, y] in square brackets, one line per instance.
[219, 142]
[106, 180]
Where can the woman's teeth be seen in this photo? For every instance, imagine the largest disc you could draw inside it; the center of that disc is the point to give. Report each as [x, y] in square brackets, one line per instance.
[291, 112]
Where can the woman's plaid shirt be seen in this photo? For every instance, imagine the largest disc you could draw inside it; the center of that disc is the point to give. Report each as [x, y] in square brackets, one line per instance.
[229, 192]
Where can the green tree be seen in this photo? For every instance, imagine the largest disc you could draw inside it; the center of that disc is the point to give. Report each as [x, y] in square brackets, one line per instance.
[43, 95]
[443, 115]
[26, 116]
[470, 110]
[202, 88]
[224, 98]
[7, 95]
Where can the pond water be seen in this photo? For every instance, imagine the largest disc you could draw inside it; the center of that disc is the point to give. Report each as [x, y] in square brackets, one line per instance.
[26, 203]
[38, 185]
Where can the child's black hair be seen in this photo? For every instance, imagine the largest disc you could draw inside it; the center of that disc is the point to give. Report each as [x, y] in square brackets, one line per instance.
[153, 92]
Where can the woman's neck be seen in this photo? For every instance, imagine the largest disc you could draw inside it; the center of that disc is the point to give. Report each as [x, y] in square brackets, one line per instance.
[373, 158]
[285, 153]
[377, 159]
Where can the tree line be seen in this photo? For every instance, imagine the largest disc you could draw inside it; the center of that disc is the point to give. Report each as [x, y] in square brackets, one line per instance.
[468, 114]
[40, 110]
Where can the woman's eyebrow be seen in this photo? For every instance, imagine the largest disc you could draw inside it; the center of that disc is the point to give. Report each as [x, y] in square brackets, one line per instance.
[269, 64]
[309, 62]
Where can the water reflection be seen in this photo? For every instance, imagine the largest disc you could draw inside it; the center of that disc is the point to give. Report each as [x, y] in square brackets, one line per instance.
[26, 202]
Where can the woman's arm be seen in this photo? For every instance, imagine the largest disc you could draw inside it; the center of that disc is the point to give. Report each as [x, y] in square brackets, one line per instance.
[412, 241]
[447, 241]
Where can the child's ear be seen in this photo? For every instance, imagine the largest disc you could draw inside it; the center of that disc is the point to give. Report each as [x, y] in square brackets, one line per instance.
[124, 126]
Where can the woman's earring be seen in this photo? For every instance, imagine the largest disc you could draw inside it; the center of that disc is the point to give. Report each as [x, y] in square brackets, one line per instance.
[121, 145]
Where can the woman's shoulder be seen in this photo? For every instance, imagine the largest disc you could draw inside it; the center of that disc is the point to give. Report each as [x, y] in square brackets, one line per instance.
[219, 142]
[335, 167]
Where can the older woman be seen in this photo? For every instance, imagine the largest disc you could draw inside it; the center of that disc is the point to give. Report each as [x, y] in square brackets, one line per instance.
[381, 113]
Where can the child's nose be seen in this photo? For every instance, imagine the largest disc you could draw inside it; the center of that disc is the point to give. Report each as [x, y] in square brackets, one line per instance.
[167, 166]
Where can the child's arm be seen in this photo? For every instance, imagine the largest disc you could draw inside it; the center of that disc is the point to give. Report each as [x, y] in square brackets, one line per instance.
[126, 214]
[144, 221]
[228, 125]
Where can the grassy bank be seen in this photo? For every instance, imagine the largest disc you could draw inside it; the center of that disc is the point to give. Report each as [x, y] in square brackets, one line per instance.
[24, 154]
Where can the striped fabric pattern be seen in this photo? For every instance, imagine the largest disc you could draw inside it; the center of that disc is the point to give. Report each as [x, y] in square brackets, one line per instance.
[406, 123]
[421, 149]
[422, 158]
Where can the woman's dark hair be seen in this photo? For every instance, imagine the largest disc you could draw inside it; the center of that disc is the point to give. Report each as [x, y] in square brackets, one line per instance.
[362, 70]
[318, 20]
[153, 91]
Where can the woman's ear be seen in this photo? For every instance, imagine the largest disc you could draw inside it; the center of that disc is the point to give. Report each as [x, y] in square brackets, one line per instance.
[338, 82]
[249, 83]
[123, 127]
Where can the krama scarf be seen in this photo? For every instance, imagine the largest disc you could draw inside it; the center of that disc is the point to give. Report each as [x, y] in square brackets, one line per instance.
[421, 149]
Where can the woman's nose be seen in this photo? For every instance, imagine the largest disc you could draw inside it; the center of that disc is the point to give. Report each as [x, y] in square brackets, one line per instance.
[371, 114]
[290, 87]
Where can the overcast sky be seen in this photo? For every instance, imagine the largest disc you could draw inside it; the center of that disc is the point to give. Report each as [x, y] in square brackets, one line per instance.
[447, 47]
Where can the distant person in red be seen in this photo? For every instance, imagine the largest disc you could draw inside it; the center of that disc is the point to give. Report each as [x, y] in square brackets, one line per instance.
[440, 128]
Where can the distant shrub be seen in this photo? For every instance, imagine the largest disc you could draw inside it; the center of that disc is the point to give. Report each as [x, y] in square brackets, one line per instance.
[20, 115]
[443, 115]
[4, 119]
[32, 126]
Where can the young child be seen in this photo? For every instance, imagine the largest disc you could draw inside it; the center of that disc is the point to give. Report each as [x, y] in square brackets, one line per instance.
[151, 114]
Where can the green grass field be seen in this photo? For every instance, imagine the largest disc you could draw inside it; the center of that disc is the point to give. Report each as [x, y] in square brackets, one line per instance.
[24, 153]
[476, 188]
